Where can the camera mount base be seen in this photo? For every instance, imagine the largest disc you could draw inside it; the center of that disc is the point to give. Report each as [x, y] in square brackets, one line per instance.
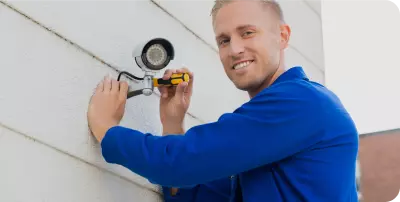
[147, 82]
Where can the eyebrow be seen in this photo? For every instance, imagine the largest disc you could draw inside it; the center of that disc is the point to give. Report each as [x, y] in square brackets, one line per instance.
[244, 27]
[241, 27]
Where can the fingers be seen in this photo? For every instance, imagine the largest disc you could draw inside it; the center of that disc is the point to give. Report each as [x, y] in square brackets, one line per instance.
[180, 90]
[107, 84]
[170, 91]
[167, 91]
[185, 70]
[163, 91]
[115, 86]
[191, 78]
[100, 87]
[123, 92]
[168, 73]
[189, 89]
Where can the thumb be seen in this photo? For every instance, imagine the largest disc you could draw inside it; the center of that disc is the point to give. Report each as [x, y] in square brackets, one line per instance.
[180, 91]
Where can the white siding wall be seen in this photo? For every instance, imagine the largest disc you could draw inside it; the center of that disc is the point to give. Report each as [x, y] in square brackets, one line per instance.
[366, 75]
[31, 171]
[46, 82]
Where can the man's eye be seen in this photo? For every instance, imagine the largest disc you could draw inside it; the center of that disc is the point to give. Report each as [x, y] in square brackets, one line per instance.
[247, 33]
[221, 42]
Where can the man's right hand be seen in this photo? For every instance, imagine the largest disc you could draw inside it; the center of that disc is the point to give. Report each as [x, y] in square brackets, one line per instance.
[174, 102]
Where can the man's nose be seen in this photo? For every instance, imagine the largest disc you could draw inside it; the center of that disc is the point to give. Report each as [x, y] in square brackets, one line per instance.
[236, 47]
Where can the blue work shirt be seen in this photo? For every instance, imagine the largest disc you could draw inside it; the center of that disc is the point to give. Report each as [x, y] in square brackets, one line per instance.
[293, 141]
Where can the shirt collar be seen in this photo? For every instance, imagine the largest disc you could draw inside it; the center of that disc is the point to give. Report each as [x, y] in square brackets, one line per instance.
[293, 73]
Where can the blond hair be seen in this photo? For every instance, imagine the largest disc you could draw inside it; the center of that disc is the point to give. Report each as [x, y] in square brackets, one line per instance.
[270, 4]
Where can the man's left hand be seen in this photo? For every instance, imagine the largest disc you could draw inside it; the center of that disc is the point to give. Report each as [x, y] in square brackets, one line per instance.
[107, 106]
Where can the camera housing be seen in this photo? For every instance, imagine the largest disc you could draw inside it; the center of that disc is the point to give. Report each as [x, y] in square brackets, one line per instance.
[154, 55]
[151, 56]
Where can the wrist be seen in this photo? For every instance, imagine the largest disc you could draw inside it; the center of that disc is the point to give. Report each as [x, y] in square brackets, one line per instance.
[173, 129]
[100, 131]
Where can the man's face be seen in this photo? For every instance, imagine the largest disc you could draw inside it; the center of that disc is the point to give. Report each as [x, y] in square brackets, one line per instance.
[249, 40]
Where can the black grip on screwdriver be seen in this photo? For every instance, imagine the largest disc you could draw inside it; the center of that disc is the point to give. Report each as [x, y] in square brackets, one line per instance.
[175, 79]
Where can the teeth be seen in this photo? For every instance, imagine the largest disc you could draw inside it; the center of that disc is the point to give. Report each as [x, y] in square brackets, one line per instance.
[241, 65]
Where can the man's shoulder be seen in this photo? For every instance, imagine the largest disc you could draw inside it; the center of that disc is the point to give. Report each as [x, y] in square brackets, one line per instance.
[299, 95]
[298, 89]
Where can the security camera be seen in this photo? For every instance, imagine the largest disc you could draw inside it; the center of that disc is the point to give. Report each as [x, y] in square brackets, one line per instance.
[154, 55]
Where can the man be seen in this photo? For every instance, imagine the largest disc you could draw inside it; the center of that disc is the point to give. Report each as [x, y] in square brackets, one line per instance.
[292, 141]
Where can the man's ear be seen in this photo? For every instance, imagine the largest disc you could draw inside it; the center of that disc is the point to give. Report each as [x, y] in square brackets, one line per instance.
[285, 35]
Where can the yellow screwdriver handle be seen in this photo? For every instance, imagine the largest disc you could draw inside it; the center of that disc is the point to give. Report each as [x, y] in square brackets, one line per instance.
[175, 79]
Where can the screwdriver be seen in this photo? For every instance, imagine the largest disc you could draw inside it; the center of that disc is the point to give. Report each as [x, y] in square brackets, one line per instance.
[175, 79]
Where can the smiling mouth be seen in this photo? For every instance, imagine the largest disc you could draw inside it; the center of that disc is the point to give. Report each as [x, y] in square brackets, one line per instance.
[242, 64]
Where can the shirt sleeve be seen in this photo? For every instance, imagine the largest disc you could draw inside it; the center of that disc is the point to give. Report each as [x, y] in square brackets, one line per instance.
[272, 126]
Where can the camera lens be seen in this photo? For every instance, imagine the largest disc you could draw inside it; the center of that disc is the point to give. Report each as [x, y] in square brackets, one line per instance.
[156, 55]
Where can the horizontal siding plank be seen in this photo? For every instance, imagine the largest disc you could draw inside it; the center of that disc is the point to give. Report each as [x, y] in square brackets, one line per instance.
[46, 85]
[111, 30]
[33, 172]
